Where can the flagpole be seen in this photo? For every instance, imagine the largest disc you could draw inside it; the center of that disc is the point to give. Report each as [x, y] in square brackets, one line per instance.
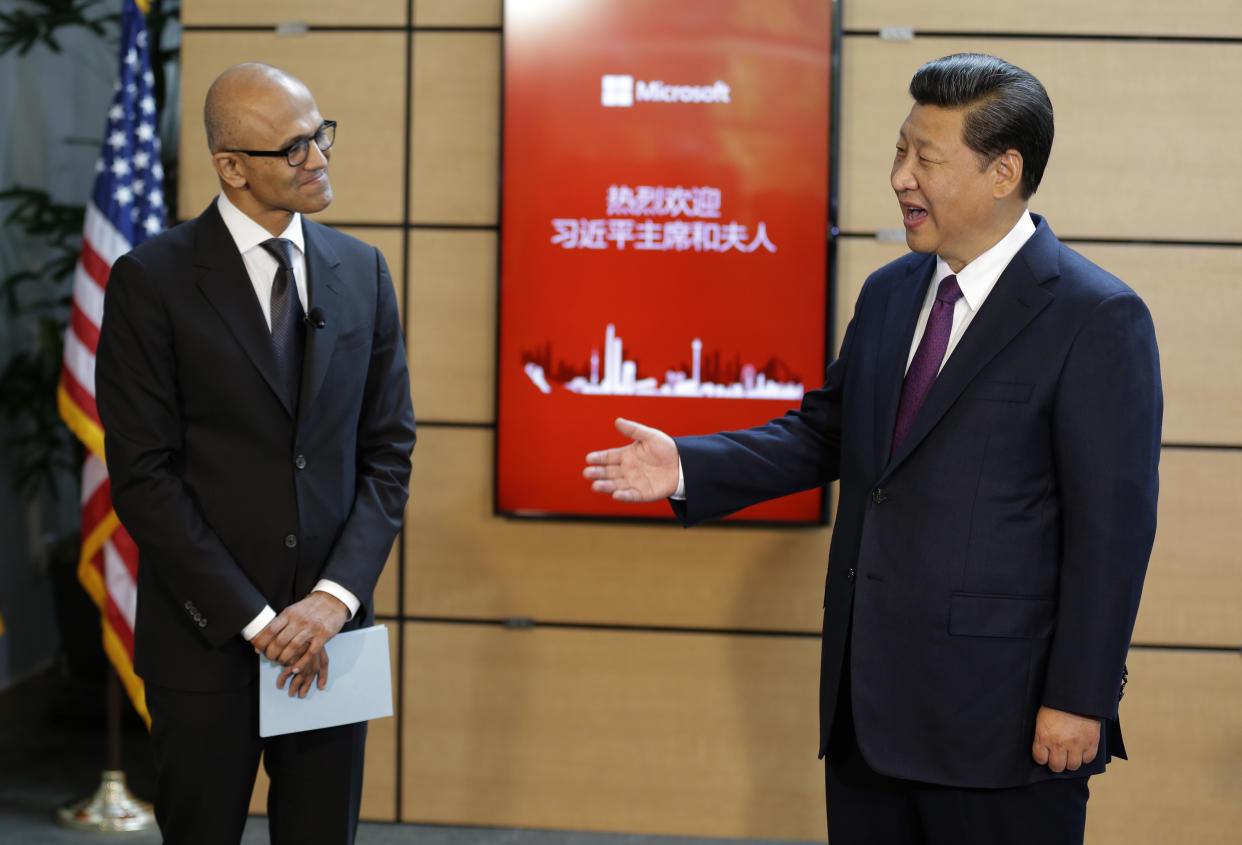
[112, 807]
[125, 208]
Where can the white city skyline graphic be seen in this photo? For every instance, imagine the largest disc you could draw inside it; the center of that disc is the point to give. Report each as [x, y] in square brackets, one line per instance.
[619, 377]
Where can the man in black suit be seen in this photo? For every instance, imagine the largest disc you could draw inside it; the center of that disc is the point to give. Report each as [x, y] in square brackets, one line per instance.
[994, 420]
[252, 383]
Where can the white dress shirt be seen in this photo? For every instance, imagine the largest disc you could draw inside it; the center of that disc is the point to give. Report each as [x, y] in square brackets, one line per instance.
[976, 281]
[261, 265]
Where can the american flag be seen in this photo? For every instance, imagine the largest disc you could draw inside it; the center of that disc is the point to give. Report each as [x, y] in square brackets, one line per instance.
[126, 208]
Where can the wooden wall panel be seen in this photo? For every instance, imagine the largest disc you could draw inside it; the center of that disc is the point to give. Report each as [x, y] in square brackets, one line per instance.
[1194, 294]
[1183, 780]
[1193, 593]
[457, 12]
[455, 128]
[691, 734]
[367, 156]
[379, 785]
[703, 734]
[1137, 153]
[451, 331]
[1209, 18]
[463, 561]
[250, 13]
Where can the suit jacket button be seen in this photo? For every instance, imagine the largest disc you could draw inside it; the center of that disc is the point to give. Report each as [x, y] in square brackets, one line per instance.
[879, 496]
[291, 541]
[849, 576]
[300, 462]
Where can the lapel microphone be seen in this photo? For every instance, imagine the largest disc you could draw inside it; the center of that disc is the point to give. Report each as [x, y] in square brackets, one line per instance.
[315, 318]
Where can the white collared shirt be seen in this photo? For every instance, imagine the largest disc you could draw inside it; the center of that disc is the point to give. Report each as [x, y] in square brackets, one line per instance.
[261, 267]
[976, 281]
[260, 264]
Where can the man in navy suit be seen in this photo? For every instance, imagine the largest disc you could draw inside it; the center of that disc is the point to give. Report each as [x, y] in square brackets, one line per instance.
[994, 420]
[252, 383]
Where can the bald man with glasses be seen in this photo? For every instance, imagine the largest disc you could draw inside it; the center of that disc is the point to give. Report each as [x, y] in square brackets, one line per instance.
[251, 378]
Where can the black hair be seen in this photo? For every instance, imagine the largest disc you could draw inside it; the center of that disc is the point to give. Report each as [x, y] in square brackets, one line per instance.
[1006, 108]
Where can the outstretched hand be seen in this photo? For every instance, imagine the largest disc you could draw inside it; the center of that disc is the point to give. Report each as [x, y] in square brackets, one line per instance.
[644, 471]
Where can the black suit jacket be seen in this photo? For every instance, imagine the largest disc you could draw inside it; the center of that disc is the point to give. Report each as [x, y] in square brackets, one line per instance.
[234, 499]
[995, 563]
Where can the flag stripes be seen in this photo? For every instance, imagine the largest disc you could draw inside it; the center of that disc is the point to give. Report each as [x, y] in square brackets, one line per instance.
[126, 207]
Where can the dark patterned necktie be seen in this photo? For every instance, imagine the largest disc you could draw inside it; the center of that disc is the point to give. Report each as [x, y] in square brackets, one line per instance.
[926, 362]
[288, 329]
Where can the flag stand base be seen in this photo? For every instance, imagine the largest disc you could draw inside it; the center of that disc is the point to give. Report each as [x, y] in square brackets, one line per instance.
[112, 808]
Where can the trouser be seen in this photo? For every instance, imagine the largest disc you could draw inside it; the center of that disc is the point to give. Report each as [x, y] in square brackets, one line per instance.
[207, 749]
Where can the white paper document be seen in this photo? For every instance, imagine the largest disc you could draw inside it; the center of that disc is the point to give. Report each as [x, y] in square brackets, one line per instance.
[359, 687]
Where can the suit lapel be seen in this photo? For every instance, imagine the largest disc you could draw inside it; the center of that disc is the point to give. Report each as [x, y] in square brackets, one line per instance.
[226, 284]
[900, 317]
[1015, 300]
[324, 290]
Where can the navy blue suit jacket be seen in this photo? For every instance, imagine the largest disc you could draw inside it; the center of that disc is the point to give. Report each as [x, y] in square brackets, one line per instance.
[995, 563]
[234, 498]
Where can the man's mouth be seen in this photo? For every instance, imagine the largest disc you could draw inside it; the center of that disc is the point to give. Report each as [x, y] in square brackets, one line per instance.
[912, 215]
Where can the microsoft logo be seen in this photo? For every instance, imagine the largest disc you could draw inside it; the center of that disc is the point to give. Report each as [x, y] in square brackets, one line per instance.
[621, 91]
[616, 90]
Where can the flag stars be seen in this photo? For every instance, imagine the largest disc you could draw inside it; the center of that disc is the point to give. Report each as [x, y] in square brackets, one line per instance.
[153, 224]
[116, 140]
[116, 112]
[131, 58]
[123, 195]
[142, 159]
[145, 132]
[120, 168]
[156, 198]
[148, 105]
[139, 186]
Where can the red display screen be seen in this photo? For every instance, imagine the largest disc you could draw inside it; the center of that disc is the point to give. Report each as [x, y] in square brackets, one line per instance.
[663, 232]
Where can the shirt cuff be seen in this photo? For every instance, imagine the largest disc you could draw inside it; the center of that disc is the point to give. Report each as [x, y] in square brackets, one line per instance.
[336, 590]
[680, 493]
[265, 616]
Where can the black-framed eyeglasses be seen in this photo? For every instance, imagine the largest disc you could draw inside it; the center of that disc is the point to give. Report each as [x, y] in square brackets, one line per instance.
[297, 152]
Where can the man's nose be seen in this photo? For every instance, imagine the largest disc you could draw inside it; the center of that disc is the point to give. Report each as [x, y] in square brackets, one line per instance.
[315, 158]
[902, 178]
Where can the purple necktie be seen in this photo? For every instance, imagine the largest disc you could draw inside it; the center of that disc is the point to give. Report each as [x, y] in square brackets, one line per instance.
[288, 331]
[926, 362]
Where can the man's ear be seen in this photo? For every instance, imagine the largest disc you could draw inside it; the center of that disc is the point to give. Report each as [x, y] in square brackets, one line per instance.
[230, 169]
[1007, 174]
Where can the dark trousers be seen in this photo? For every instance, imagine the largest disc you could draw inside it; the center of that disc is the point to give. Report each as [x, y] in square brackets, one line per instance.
[207, 749]
[868, 808]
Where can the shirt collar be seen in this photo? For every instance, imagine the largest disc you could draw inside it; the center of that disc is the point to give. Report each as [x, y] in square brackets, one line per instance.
[977, 278]
[248, 234]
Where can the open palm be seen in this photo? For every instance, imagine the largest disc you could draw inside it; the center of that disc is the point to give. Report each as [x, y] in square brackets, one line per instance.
[646, 470]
